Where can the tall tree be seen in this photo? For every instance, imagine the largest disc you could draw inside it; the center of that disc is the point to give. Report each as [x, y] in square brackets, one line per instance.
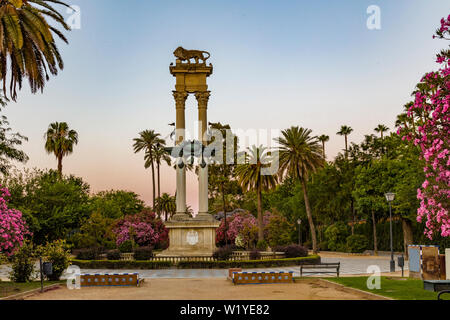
[147, 142]
[167, 205]
[251, 176]
[324, 138]
[59, 140]
[345, 131]
[381, 129]
[221, 171]
[299, 156]
[27, 43]
[8, 144]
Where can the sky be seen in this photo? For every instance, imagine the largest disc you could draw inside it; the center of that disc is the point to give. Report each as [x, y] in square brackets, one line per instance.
[277, 64]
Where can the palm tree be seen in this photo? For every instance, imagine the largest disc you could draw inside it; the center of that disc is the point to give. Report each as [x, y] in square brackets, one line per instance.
[27, 43]
[59, 140]
[324, 138]
[251, 176]
[147, 141]
[345, 131]
[299, 156]
[167, 204]
[381, 128]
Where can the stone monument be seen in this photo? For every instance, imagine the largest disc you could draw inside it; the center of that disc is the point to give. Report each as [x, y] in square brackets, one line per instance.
[191, 236]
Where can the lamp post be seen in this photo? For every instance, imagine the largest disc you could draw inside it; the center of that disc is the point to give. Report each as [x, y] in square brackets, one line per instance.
[299, 222]
[390, 197]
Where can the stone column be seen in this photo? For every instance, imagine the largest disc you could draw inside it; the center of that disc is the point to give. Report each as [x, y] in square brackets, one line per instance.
[202, 99]
[180, 102]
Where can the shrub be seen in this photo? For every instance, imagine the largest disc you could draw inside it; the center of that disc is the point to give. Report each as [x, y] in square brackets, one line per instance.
[323, 245]
[23, 263]
[143, 253]
[261, 245]
[13, 227]
[113, 255]
[126, 246]
[295, 251]
[357, 243]
[336, 235]
[87, 254]
[255, 255]
[248, 264]
[307, 244]
[57, 253]
[223, 253]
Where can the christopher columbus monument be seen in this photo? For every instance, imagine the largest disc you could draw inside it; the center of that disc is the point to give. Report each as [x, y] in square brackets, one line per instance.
[191, 236]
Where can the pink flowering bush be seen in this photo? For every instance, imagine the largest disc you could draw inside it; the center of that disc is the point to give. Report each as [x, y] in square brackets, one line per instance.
[142, 228]
[243, 226]
[13, 228]
[430, 116]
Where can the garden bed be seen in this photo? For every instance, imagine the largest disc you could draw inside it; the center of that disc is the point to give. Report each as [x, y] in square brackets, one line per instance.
[119, 264]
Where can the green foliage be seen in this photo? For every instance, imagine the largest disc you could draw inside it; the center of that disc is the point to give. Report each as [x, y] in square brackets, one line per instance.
[248, 263]
[126, 246]
[116, 203]
[23, 263]
[56, 252]
[53, 207]
[278, 231]
[143, 253]
[261, 245]
[357, 243]
[95, 232]
[8, 145]
[336, 236]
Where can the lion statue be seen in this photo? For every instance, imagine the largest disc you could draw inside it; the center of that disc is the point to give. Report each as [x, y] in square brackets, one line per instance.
[184, 55]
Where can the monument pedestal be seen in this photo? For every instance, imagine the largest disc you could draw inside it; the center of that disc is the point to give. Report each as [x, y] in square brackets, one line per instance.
[191, 237]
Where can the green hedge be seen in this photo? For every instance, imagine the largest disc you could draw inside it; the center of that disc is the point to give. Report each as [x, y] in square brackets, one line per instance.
[116, 264]
[119, 264]
[248, 263]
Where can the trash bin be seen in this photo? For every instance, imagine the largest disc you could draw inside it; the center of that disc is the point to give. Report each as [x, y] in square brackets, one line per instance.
[47, 268]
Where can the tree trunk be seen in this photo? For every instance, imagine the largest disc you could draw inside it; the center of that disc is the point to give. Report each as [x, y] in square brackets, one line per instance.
[346, 149]
[153, 183]
[323, 149]
[374, 227]
[352, 209]
[407, 235]
[260, 216]
[224, 214]
[60, 157]
[159, 189]
[310, 218]
[159, 181]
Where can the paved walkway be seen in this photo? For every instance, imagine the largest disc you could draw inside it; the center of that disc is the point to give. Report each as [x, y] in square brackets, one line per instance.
[349, 265]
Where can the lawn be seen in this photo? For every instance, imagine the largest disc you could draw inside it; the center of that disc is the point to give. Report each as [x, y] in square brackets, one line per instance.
[392, 287]
[8, 288]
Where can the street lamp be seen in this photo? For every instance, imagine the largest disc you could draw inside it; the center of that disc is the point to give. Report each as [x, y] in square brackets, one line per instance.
[390, 197]
[299, 222]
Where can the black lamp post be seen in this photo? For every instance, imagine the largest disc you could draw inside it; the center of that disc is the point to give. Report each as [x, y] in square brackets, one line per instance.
[390, 197]
[299, 222]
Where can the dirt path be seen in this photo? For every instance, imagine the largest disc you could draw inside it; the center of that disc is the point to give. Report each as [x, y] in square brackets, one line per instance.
[208, 289]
